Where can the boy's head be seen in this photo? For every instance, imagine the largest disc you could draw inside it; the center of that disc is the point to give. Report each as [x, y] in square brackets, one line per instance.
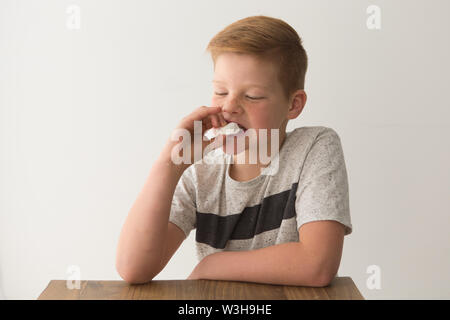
[259, 73]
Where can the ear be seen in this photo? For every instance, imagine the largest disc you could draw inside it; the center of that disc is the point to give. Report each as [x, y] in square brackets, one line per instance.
[296, 104]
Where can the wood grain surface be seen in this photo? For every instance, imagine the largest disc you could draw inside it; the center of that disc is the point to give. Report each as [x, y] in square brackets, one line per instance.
[341, 288]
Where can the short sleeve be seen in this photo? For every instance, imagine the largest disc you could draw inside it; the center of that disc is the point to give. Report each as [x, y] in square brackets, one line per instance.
[183, 208]
[322, 191]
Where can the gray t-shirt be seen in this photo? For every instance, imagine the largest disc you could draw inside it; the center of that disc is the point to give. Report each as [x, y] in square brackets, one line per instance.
[306, 181]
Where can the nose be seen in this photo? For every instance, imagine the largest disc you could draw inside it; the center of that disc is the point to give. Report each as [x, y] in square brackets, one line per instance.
[232, 105]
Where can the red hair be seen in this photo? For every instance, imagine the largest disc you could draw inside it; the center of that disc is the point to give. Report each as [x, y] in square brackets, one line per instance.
[267, 38]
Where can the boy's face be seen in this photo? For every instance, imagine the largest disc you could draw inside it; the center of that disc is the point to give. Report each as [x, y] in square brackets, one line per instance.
[250, 94]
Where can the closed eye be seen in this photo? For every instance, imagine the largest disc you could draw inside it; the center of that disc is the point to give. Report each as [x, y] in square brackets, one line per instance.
[251, 98]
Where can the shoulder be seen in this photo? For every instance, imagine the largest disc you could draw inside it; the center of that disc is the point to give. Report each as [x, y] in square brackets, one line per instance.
[303, 139]
[313, 133]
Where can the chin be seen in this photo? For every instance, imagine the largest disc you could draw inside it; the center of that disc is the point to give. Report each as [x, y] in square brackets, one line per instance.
[232, 148]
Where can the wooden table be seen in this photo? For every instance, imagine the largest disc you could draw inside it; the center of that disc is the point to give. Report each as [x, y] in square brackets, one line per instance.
[341, 288]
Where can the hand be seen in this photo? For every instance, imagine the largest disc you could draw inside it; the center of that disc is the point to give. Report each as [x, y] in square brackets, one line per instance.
[210, 117]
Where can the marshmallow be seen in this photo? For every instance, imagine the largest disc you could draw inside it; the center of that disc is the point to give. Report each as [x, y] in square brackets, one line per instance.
[230, 129]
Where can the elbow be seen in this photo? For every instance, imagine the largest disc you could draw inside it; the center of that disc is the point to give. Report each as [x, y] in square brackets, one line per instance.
[317, 277]
[325, 271]
[135, 281]
[133, 277]
[325, 276]
[324, 280]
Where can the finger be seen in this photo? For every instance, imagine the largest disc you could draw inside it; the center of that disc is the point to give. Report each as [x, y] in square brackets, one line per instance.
[222, 120]
[212, 121]
[215, 121]
[200, 114]
[205, 115]
[203, 112]
[206, 124]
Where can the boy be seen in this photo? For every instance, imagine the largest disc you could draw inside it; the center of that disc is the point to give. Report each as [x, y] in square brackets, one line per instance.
[286, 227]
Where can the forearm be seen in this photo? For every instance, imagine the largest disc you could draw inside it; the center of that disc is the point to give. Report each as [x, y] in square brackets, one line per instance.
[143, 234]
[284, 264]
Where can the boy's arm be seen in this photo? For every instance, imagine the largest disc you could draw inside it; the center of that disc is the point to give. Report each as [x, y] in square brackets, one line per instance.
[314, 261]
[142, 239]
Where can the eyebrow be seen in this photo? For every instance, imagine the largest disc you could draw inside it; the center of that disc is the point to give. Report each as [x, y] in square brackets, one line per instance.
[250, 84]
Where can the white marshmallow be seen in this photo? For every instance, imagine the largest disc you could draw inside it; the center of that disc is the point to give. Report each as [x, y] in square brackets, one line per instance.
[230, 129]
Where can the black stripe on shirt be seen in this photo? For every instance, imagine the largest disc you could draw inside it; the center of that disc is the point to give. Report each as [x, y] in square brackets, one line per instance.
[216, 230]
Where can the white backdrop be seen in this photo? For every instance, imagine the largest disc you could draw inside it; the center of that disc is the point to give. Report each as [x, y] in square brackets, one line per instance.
[86, 106]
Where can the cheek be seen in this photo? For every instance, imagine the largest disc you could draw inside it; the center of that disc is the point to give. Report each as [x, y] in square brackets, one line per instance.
[271, 116]
[215, 101]
[262, 118]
